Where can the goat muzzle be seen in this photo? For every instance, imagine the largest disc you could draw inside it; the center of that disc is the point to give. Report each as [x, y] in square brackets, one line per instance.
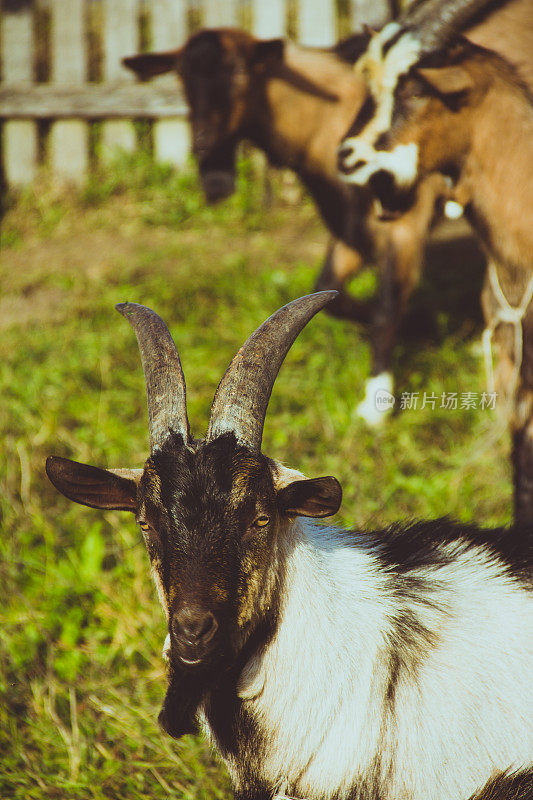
[192, 631]
[217, 185]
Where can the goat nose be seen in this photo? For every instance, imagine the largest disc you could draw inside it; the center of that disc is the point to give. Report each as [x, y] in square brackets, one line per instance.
[193, 625]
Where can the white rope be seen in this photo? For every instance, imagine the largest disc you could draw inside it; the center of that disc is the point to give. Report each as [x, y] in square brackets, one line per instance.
[512, 315]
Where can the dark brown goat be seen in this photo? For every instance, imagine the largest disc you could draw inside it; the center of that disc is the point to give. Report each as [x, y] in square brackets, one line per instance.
[295, 103]
[465, 112]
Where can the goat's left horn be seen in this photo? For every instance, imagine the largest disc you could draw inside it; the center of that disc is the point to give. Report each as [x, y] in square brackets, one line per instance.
[165, 384]
[242, 396]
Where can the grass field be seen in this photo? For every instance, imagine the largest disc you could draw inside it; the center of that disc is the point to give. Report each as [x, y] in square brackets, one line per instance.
[81, 675]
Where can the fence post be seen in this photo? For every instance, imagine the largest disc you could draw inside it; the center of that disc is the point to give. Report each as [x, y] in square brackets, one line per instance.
[121, 38]
[169, 31]
[317, 22]
[19, 136]
[269, 19]
[221, 13]
[69, 138]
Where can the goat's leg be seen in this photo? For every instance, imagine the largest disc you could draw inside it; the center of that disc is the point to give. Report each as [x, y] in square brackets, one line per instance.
[400, 245]
[399, 272]
[340, 264]
[379, 399]
[522, 430]
[522, 459]
[518, 397]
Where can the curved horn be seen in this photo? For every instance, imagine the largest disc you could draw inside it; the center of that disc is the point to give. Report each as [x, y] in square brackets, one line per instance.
[165, 384]
[435, 21]
[241, 400]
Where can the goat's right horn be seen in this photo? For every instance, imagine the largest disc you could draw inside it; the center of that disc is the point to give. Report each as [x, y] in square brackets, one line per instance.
[242, 396]
[165, 384]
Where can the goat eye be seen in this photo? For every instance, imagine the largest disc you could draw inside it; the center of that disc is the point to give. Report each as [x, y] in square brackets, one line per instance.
[144, 526]
[258, 523]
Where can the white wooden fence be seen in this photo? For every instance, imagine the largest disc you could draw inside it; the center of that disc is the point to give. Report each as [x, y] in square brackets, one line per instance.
[48, 120]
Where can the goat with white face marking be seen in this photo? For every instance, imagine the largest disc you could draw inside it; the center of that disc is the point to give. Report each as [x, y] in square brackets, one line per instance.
[323, 664]
[425, 28]
[465, 112]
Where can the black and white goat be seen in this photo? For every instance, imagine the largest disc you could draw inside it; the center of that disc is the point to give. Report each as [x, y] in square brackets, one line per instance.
[323, 664]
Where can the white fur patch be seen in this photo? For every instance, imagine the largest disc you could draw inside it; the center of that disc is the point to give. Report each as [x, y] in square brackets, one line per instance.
[314, 667]
[283, 476]
[369, 63]
[401, 162]
[160, 591]
[379, 399]
[166, 648]
[382, 74]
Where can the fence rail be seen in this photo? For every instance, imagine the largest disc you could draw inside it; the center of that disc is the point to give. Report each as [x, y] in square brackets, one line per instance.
[61, 65]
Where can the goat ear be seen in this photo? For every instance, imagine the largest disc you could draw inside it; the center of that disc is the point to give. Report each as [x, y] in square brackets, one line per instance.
[447, 80]
[268, 50]
[92, 486]
[148, 65]
[316, 497]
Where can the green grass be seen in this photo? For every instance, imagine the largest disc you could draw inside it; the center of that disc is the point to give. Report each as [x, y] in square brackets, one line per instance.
[81, 631]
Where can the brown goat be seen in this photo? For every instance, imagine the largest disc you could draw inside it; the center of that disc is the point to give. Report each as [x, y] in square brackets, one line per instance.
[466, 112]
[294, 103]
[505, 26]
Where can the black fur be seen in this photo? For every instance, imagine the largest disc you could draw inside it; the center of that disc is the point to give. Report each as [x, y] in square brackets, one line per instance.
[203, 53]
[409, 644]
[202, 540]
[420, 545]
[508, 786]
[207, 81]
[351, 48]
